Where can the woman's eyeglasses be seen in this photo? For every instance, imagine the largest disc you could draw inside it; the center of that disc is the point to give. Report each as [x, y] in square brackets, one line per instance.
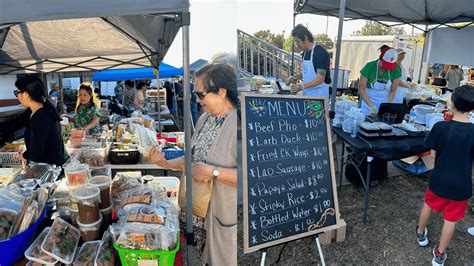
[203, 94]
[200, 95]
[16, 92]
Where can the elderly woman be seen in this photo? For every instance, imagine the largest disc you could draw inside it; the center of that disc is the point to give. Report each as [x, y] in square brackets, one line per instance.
[214, 157]
[43, 138]
[87, 113]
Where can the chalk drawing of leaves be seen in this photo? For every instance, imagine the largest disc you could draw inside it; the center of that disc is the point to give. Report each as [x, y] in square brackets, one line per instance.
[315, 109]
[257, 107]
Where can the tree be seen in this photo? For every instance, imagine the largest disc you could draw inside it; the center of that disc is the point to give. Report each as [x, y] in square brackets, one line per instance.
[324, 40]
[375, 28]
[276, 39]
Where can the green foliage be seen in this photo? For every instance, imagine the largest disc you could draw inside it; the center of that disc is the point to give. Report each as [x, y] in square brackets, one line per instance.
[324, 40]
[276, 39]
[374, 28]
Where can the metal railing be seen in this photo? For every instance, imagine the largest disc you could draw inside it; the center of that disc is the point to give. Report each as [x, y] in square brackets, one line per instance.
[257, 57]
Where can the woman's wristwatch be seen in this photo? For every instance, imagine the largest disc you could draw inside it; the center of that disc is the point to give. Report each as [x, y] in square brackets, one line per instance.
[215, 172]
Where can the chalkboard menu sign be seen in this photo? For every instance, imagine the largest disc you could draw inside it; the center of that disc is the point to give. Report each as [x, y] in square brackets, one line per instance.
[288, 172]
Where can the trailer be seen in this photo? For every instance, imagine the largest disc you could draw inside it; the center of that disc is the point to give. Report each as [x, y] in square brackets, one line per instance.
[356, 51]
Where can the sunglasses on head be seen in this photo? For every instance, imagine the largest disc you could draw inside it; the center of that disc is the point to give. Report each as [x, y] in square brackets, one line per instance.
[203, 94]
[16, 92]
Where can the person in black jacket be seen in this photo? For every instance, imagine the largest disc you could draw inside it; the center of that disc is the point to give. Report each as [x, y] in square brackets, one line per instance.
[43, 138]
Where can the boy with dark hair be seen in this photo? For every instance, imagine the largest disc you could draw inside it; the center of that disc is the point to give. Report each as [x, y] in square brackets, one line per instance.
[450, 186]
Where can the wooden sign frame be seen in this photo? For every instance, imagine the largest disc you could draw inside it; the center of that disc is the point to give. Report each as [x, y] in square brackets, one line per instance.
[247, 248]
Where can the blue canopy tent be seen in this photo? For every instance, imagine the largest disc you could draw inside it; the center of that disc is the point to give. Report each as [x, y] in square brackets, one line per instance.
[137, 73]
[196, 65]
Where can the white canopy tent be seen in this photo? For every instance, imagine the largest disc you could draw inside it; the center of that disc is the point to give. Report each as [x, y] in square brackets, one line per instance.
[450, 46]
[90, 35]
[86, 35]
[430, 14]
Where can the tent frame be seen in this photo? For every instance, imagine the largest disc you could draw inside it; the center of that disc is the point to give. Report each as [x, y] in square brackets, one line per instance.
[299, 4]
[184, 22]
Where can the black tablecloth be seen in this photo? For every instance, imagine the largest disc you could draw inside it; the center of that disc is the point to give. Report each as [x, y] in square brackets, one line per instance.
[385, 148]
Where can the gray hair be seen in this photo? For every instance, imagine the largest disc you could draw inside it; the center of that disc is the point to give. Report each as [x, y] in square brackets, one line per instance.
[224, 58]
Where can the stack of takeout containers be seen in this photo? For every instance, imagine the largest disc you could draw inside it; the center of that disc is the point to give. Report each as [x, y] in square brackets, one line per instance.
[102, 182]
[89, 218]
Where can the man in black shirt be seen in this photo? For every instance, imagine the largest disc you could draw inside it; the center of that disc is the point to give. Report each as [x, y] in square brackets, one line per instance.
[315, 76]
[450, 187]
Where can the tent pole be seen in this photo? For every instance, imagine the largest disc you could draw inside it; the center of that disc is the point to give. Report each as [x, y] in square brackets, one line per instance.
[423, 57]
[292, 70]
[159, 94]
[187, 138]
[342, 7]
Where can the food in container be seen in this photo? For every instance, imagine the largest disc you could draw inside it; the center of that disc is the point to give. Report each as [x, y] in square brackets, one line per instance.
[369, 127]
[61, 241]
[36, 255]
[76, 174]
[87, 254]
[74, 215]
[88, 199]
[384, 128]
[106, 217]
[7, 175]
[124, 154]
[78, 133]
[93, 156]
[7, 222]
[62, 200]
[106, 254]
[91, 231]
[125, 181]
[103, 183]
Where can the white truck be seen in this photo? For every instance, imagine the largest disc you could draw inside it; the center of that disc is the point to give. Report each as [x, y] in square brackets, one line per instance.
[356, 51]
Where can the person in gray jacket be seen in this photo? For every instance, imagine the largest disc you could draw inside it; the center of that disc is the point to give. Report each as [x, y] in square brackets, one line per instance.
[214, 157]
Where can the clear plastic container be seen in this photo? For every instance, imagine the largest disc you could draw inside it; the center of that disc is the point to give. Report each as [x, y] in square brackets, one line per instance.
[74, 214]
[87, 253]
[88, 199]
[93, 156]
[106, 217]
[62, 201]
[90, 232]
[103, 183]
[76, 174]
[61, 241]
[9, 217]
[35, 254]
[106, 254]
[78, 133]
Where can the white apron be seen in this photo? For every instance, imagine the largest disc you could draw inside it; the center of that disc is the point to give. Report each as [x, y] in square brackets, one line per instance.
[401, 90]
[378, 94]
[309, 74]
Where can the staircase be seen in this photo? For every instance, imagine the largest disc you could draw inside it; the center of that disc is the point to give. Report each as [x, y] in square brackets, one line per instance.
[257, 57]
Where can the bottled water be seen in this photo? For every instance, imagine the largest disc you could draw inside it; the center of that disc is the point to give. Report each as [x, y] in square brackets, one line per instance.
[354, 128]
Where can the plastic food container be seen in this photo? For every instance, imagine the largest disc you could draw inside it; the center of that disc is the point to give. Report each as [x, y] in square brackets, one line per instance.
[90, 232]
[8, 218]
[74, 215]
[77, 174]
[106, 217]
[78, 133]
[62, 200]
[88, 199]
[35, 254]
[106, 254]
[93, 156]
[75, 142]
[87, 253]
[103, 183]
[61, 241]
